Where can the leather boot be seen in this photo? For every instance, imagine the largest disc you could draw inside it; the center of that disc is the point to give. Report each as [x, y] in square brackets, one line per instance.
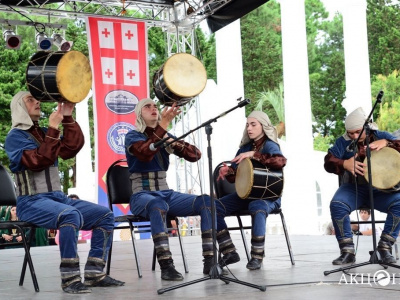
[385, 249]
[347, 253]
[344, 258]
[254, 264]
[168, 271]
[229, 258]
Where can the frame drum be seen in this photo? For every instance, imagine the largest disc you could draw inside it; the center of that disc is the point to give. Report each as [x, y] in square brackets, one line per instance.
[385, 169]
[256, 181]
[59, 76]
[179, 79]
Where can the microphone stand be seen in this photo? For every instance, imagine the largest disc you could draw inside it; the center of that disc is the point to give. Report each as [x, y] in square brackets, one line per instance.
[375, 257]
[216, 271]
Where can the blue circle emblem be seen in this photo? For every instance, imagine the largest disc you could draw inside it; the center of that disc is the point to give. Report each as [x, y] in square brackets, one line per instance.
[116, 136]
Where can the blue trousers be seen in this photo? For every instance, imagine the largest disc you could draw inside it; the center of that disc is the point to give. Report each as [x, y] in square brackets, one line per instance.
[55, 210]
[347, 200]
[259, 210]
[155, 205]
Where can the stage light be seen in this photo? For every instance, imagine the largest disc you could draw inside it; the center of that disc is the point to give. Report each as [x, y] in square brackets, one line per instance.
[44, 43]
[61, 43]
[13, 41]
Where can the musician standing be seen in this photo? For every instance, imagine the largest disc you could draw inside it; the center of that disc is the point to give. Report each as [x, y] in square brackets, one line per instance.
[342, 161]
[33, 152]
[152, 198]
[259, 142]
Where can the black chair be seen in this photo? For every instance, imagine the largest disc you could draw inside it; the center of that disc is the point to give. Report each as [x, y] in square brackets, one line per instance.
[9, 198]
[119, 191]
[224, 187]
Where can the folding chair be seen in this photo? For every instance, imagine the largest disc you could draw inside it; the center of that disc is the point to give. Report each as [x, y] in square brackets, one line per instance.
[224, 187]
[9, 198]
[119, 191]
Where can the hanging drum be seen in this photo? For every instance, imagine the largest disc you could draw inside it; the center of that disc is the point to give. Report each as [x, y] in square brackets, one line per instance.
[59, 76]
[181, 78]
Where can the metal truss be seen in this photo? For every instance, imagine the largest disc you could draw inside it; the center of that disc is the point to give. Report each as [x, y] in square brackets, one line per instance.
[159, 13]
[177, 18]
[189, 179]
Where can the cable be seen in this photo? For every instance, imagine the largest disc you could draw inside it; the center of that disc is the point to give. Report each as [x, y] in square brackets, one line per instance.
[39, 27]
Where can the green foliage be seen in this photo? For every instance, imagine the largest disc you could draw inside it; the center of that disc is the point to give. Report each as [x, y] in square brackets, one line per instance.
[387, 115]
[383, 25]
[274, 98]
[323, 143]
[261, 51]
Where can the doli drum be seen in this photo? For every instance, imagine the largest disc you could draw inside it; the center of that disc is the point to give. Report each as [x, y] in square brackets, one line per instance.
[256, 181]
[59, 76]
[181, 78]
[385, 169]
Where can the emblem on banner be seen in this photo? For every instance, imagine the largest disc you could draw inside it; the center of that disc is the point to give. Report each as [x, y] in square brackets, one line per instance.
[121, 102]
[116, 136]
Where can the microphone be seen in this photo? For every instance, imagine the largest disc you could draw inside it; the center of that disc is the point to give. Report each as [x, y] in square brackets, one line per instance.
[351, 146]
[244, 102]
[154, 146]
[379, 97]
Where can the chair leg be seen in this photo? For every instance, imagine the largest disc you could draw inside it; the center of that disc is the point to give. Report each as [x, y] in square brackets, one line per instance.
[246, 248]
[139, 270]
[28, 258]
[109, 257]
[182, 250]
[396, 250]
[153, 265]
[287, 238]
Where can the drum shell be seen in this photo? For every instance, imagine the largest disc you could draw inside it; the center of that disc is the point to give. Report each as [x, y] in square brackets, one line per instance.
[263, 183]
[47, 81]
[181, 78]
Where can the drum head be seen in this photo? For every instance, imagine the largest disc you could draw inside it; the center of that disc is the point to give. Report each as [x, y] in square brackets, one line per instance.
[184, 75]
[385, 168]
[244, 178]
[74, 76]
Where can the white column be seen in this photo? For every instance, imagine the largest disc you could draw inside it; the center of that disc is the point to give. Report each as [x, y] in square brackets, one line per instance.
[299, 196]
[84, 176]
[358, 85]
[227, 131]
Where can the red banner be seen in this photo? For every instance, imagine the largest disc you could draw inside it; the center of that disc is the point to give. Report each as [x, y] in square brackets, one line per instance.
[118, 54]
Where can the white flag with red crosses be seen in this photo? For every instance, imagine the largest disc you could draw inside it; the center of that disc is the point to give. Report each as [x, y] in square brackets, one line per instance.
[118, 55]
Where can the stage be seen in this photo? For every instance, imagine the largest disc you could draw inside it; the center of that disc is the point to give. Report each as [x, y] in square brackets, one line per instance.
[305, 280]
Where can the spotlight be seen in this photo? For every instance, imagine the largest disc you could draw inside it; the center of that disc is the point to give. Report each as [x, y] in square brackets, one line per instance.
[44, 43]
[13, 41]
[61, 43]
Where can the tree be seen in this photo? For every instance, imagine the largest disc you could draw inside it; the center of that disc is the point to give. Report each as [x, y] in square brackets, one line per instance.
[261, 51]
[387, 115]
[383, 23]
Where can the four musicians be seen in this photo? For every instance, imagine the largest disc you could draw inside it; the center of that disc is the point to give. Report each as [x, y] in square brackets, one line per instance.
[33, 152]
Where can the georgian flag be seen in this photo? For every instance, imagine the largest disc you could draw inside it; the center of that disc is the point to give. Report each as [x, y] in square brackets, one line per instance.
[129, 36]
[131, 72]
[108, 70]
[106, 34]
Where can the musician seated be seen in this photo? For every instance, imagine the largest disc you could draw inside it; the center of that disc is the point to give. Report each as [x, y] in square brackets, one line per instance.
[260, 143]
[350, 164]
[151, 196]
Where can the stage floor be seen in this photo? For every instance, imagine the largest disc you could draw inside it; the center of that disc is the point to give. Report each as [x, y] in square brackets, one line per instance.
[304, 280]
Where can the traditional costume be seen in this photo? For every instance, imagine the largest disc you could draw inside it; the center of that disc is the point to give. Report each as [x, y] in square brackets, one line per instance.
[33, 152]
[267, 152]
[347, 200]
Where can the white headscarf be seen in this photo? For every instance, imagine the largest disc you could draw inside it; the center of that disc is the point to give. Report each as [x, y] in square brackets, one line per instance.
[19, 114]
[140, 123]
[268, 128]
[355, 120]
